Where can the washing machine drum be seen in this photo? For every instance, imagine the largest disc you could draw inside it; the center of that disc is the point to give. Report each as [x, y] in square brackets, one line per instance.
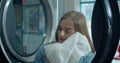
[105, 30]
[24, 27]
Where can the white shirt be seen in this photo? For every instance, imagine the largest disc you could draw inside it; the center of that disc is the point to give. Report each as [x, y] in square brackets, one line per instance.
[70, 51]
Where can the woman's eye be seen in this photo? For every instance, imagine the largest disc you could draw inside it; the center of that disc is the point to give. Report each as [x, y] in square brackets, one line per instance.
[68, 31]
[59, 28]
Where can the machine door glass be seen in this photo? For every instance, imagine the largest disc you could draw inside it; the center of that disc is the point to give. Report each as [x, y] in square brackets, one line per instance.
[29, 27]
[26, 24]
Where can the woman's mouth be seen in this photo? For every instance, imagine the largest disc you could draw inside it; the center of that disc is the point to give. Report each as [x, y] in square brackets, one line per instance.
[61, 39]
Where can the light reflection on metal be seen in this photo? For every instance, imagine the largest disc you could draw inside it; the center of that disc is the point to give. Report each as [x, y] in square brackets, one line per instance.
[109, 14]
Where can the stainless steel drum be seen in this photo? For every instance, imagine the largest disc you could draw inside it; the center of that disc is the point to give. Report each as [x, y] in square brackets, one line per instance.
[24, 26]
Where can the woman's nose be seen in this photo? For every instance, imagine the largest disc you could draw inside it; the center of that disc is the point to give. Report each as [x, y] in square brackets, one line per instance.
[62, 33]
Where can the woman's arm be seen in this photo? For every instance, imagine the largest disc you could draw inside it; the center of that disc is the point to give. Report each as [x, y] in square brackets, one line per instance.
[87, 58]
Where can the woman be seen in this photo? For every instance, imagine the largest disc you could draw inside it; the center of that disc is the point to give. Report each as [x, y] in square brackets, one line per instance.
[71, 26]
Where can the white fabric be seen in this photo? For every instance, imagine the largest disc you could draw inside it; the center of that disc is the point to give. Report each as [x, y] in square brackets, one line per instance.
[70, 51]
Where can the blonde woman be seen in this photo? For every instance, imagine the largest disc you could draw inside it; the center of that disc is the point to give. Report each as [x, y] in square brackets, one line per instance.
[73, 43]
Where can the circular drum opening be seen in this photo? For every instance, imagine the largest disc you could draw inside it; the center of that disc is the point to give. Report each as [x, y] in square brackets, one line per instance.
[25, 26]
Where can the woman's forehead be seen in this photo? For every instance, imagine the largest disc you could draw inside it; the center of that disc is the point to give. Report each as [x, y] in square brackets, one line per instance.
[66, 23]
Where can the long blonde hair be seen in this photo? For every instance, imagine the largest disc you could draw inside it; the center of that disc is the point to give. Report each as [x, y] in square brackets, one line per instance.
[79, 22]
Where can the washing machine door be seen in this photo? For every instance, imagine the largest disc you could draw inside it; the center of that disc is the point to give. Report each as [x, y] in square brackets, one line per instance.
[105, 30]
[25, 26]
[2, 57]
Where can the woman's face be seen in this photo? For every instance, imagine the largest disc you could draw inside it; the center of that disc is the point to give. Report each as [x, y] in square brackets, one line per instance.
[65, 29]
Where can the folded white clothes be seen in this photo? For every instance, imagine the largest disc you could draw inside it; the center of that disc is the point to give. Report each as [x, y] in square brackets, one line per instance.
[70, 51]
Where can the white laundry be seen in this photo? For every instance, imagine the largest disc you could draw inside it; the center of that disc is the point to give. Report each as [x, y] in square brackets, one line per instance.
[70, 51]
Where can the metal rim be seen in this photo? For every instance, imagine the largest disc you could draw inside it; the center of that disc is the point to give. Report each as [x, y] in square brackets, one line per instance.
[107, 42]
[48, 15]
